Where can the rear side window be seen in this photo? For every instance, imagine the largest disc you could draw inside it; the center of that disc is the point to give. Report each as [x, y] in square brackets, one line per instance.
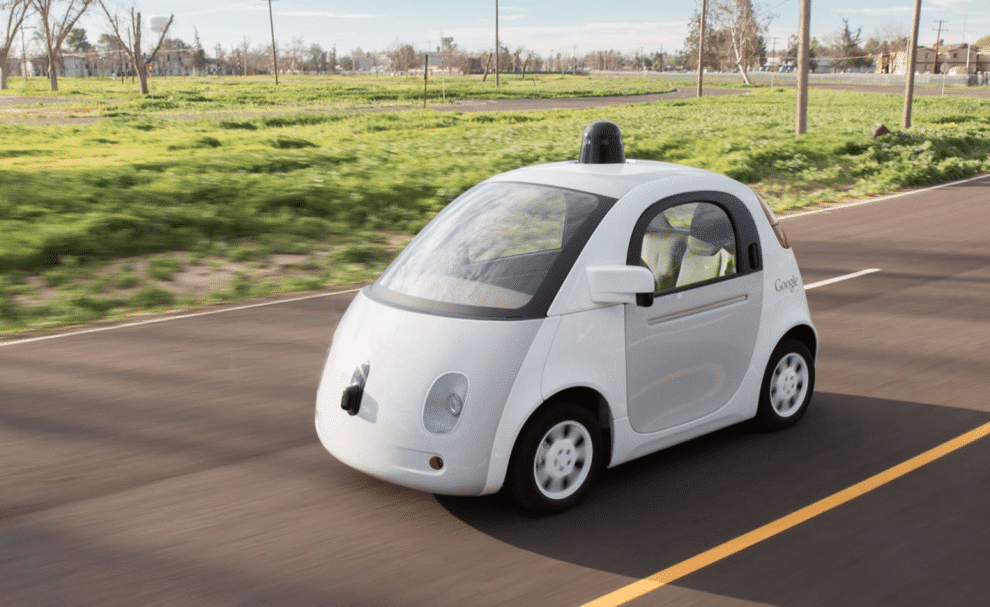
[689, 243]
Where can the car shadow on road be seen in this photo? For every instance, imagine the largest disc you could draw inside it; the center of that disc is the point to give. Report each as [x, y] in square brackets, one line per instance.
[661, 509]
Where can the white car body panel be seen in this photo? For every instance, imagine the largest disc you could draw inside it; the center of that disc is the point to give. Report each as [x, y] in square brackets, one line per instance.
[515, 366]
[407, 351]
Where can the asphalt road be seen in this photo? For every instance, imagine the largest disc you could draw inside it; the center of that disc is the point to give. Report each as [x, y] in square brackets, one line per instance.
[175, 463]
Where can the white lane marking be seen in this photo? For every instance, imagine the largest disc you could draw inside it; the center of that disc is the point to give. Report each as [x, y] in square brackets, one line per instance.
[828, 281]
[15, 342]
[168, 318]
[860, 203]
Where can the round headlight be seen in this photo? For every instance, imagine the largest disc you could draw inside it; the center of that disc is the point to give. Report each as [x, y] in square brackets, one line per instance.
[445, 402]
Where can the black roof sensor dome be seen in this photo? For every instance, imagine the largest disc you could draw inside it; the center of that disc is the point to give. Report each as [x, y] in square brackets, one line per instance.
[602, 144]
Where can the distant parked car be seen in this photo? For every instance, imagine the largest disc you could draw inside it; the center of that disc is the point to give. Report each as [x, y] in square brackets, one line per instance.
[562, 318]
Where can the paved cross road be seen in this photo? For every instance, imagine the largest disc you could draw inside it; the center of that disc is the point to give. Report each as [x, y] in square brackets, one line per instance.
[175, 462]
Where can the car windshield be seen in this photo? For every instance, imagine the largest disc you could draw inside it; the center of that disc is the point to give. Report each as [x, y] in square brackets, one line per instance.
[492, 248]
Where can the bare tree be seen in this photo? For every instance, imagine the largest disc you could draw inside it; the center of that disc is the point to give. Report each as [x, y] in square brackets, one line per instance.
[108, 47]
[253, 60]
[296, 53]
[453, 57]
[529, 59]
[815, 50]
[316, 59]
[15, 11]
[488, 64]
[55, 29]
[714, 40]
[742, 27]
[132, 43]
[221, 58]
[243, 52]
[893, 35]
[199, 54]
[404, 58]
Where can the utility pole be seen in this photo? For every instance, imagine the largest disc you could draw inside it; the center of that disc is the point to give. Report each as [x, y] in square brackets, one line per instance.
[773, 67]
[938, 41]
[912, 59]
[442, 49]
[804, 43]
[271, 21]
[967, 44]
[701, 46]
[24, 60]
[496, 43]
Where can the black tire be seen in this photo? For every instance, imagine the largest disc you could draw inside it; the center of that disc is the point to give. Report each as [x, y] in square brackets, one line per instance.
[556, 459]
[788, 385]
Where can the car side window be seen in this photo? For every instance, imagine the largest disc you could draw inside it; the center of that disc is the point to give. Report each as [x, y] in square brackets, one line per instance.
[689, 243]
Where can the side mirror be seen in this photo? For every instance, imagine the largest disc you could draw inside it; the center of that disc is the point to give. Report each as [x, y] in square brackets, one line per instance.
[621, 284]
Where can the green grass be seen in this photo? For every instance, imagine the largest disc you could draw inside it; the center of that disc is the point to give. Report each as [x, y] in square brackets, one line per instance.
[282, 175]
[188, 94]
[163, 268]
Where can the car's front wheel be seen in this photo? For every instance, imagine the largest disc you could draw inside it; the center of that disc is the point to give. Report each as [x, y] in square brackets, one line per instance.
[556, 458]
[788, 384]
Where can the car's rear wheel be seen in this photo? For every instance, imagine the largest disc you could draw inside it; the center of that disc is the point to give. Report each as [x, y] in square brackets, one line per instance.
[788, 384]
[556, 458]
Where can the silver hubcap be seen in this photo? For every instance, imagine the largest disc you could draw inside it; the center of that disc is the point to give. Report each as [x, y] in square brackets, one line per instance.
[563, 460]
[789, 385]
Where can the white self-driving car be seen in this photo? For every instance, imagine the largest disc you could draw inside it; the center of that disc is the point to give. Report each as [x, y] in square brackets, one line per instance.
[561, 318]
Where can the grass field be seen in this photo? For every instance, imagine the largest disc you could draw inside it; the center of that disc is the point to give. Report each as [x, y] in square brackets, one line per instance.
[223, 189]
[209, 94]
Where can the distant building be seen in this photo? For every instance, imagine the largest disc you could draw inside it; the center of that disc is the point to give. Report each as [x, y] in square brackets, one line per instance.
[896, 63]
[954, 59]
[174, 62]
[373, 63]
[75, 66]
[962, 59]
[103, 64]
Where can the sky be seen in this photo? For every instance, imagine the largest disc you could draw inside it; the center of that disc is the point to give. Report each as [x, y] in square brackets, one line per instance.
[544, 26]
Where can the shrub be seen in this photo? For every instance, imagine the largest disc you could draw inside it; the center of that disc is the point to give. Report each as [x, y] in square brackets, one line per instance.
[291, 143]
[152, 297]
[163, 268]
[246, 125]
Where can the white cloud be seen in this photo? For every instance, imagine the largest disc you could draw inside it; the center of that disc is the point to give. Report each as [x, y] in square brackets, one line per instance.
[225, 9]
[625, 37]
[511, 13]
[978, 7]
[329, 15]
[876, 12]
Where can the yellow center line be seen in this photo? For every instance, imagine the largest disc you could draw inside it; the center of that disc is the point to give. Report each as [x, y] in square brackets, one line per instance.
[662, 578]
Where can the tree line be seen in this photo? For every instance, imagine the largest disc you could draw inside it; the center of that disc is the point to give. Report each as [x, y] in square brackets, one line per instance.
[735, 39]
[57, 23]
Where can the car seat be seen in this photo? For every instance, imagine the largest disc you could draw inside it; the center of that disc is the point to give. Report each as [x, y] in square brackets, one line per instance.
[663, 248]
[710, 247]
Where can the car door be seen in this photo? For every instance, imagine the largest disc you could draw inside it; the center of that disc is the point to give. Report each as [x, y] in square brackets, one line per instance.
[688, 350]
